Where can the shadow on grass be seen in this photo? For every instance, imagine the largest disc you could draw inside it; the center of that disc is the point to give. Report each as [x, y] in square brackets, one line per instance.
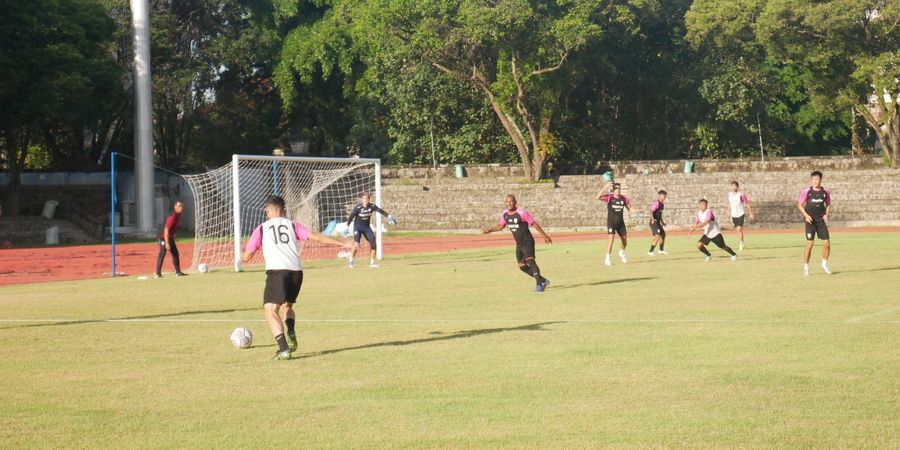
[878, 269]
[599, 283]
[148, 317]
[436, 338]
[450, 261]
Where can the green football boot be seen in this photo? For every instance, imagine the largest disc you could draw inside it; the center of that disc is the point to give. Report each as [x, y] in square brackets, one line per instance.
[292, 340]
[282, 355]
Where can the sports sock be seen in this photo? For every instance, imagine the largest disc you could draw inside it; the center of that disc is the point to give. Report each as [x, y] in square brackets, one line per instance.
[289, 323]
[662, 246]
[705, 251]
[652, 247]
[535, 270]
[282, 343]
[729, 250]
[526, 270]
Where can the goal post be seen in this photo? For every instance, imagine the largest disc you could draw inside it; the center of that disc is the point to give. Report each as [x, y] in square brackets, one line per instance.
[318, 192]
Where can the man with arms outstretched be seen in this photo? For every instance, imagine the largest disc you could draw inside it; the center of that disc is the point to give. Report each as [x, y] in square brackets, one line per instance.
[363, 228]
[278, 238]
[518, 221]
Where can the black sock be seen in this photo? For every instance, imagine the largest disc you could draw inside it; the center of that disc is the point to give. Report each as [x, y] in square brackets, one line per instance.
[662, 246]
[653, 247]
[535, 271]
[282, 343]
[729, 250]
[705, 251]
[289, 323]
[526, 270]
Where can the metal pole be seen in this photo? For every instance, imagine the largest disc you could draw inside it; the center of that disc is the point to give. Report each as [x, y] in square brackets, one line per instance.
[275, 176]
[762, 151]
[143, 115]
[431, 133]
[236, 209]
[112, 208]
[378, 237]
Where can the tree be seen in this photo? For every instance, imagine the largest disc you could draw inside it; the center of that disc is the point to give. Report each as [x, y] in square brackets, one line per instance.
[831, 57]
[514, 52]
[851, 48]
[57, 77]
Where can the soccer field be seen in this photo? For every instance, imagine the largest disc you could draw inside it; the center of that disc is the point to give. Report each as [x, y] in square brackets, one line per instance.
[455, 350]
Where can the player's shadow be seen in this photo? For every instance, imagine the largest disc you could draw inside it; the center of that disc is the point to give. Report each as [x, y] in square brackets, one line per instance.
[123, 319]
[877, 269]
[439, 337]
[600, 283]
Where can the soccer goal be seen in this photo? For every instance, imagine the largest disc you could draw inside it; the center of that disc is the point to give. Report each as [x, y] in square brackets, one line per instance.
[318, 192]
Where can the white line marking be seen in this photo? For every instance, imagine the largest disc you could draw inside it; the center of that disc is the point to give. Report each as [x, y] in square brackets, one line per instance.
[548, 321]
[874, 315]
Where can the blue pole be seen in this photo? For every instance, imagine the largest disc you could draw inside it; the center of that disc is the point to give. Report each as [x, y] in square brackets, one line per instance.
[112, 208]
[275, 175]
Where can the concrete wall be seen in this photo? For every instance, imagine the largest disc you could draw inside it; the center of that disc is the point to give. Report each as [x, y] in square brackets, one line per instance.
[861, 197]
[621, 168]
[84, 196]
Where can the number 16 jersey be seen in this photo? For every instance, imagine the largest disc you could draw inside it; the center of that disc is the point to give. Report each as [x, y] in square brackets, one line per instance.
[278, 238]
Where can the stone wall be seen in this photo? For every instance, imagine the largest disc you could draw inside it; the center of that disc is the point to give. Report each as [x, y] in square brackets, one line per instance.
[861, 197]
[621, 168]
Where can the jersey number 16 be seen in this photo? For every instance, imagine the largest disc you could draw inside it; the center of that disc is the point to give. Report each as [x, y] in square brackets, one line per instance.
[281, 235]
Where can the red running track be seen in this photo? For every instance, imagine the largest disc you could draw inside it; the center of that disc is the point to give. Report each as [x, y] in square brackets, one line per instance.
[35, 265]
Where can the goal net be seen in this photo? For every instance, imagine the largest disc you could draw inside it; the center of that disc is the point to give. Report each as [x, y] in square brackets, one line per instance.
[318, 192]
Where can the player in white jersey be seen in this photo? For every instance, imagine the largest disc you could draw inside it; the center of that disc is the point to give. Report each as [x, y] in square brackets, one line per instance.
[739, 205]
[706, 220]
[278, 237]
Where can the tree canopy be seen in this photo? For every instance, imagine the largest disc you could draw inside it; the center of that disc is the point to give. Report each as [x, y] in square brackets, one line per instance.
[576, 82]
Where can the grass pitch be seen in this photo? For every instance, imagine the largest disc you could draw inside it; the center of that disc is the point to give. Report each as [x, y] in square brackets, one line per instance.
[455, 350]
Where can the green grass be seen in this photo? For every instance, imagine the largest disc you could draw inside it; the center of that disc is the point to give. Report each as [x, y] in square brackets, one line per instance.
[454, 350]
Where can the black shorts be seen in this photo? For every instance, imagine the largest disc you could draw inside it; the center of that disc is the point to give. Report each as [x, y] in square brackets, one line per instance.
[282, 286]
[817, 227]
[718, 240]
[616, 227]
[367, 233]
[525, 250]
[657, 229]
[738, 221]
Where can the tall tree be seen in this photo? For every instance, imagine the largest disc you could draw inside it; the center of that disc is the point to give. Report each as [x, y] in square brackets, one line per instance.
[514, 52]
[57, 77]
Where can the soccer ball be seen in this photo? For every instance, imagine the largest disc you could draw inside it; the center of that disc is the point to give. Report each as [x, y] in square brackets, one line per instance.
[241, 338]
[203, 268]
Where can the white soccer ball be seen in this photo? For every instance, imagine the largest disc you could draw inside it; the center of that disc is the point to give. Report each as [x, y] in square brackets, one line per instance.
[203, 268]
[241, 338]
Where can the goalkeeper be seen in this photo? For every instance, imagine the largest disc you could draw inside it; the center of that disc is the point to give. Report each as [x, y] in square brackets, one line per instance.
[363, 215]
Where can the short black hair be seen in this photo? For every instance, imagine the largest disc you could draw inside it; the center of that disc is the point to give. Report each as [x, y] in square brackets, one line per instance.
[736, 183]
[617, 186]
[275, 200]
[662, 192]
[816, 173]
[703, 200]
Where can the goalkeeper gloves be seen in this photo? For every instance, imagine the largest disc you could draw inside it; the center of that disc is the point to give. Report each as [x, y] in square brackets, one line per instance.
[392, 220]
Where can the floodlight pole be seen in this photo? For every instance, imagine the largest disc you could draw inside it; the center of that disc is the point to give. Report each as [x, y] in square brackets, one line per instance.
[143, 115]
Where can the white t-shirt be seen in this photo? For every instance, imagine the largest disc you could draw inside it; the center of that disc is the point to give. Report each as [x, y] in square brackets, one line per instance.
[737, 200]
[711, 229]
[278, 238]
